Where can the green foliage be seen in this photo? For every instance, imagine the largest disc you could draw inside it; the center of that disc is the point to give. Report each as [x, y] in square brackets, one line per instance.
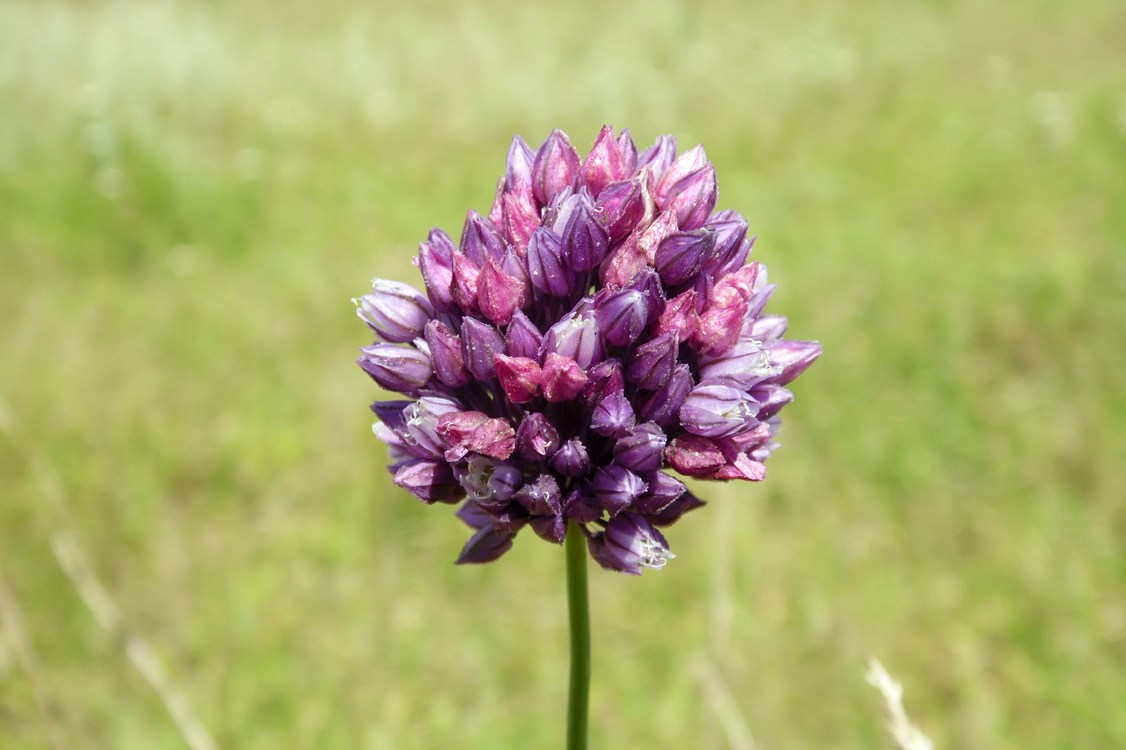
[190, 193]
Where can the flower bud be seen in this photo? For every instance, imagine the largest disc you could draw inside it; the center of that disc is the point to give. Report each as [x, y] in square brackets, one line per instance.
[663, 406]
[744, 365]
[603, 164]
[658, 157]
[677, 508]
[615, 487]
[519, 377]
[663, 490]
[498, 294]
[612, 415]
[653, 362]
[562, 378]
[522, 339]
[396, 368]
[555, 167]
[435, 261]
[466, 275]
[571, 460]
[680, 255]
[622, 316]
[679, 316]
[771, 398]
[446, 354]
[545, 264]
[396, 312]
[575, 336]
[519, 219]
[641, 449]
[480, 343]
[421, 423]
[474, 432]
[793, 357]
[480, 239]
[584, 241]
[541, 496]
[429, 481]
[518, 167]
[580, 504]
[485, 546]
[550, 528]
[628, 149]
[731, 249]
[622, 206]
[686, 165]
[693, 198]
[715, 410]
[536, 438]
[629, 544]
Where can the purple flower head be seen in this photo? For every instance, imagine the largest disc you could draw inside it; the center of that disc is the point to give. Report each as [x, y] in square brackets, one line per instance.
[597, 330]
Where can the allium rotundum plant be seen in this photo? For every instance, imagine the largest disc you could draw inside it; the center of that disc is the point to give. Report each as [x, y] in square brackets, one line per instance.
[599, 332]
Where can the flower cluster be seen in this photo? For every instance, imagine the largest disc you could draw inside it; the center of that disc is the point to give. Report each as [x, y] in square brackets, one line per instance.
[600, 325]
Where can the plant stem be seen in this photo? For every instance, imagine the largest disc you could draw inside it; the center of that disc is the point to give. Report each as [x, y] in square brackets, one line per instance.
[578, 609]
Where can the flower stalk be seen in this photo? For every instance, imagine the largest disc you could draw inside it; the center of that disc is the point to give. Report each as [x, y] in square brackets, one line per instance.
[578, 609]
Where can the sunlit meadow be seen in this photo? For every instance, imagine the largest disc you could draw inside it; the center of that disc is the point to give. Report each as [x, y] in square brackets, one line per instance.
[190, 194]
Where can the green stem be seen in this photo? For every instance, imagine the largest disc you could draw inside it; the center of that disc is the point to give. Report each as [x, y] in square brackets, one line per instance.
[578, 608]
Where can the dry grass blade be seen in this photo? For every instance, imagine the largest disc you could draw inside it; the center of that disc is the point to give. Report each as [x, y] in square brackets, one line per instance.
[724, 706]
[906, 734]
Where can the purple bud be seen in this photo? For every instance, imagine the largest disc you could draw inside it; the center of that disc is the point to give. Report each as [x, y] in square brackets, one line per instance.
[473, 515]
[498, 294]
[480, 344]
[464, 288]
[663, 490]
[485, 546]
[622, 206]
[522, 339]
[768, 328]
[679, 316]
[554, 168]
[641, 450]
[743, 366]
[518, 168]
[550, 528]
[687, 164]
[613, 415]
[545, 264]
[446, 354]
[717, 330]
[622, 316]
[603, 164]
[519, 219]
[731, 250]
[396, 312]
[664, 405]
[511, 518]
[628, 149]
[541, 496]
[580, 504]
[435, 261]
[605, 378]
[571, 460]
[615, 487]
[677, 508]
[717, 411]
[793, 357]
[576, 336]
[584, 241]
[680, 255]
[562, 378]
[693, 198]
[694, 456]
[430, 482]
[629, 544]
[480, 239]
[396, 368]
[771, 398]
[658, 157]
[519, 377]
[536, 438]
[653, 362]
[391, 413]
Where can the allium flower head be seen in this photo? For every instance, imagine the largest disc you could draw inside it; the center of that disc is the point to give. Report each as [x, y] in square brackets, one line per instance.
[599, 327]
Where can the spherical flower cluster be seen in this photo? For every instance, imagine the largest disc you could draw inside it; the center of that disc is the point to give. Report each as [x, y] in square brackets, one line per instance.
[599, 326]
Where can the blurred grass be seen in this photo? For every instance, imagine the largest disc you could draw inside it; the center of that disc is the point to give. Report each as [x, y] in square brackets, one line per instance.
[190, 194]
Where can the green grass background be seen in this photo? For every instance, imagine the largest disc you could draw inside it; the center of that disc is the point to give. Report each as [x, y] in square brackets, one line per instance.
[191, 193]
